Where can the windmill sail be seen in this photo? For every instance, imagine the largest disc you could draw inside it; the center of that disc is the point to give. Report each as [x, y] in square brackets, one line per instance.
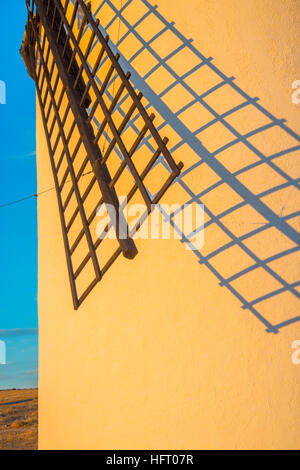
[81, 90]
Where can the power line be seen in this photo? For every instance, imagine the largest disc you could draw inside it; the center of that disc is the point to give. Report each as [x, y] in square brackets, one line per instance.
[35, 195]
[18, 200]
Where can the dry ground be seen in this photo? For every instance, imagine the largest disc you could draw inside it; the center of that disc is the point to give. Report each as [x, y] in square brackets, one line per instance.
[18, 419]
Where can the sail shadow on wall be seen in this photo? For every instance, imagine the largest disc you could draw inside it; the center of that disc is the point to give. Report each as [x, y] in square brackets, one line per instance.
[243, 169]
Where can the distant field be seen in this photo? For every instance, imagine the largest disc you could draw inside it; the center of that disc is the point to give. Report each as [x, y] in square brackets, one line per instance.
[18, 419]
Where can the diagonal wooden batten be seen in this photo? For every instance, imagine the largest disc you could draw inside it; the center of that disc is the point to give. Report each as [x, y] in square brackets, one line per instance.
[127, 245]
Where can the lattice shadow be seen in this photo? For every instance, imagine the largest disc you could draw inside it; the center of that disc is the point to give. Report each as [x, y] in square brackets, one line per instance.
[246, 175]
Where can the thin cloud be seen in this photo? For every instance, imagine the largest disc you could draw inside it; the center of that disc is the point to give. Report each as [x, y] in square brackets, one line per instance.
[23, 156]
[31, 154]
[18, 332]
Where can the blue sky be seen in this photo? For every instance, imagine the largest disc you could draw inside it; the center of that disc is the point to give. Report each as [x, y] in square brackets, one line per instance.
[18, 234]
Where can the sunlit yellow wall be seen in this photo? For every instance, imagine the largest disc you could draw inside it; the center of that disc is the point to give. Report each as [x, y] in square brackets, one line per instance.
[160, 355]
